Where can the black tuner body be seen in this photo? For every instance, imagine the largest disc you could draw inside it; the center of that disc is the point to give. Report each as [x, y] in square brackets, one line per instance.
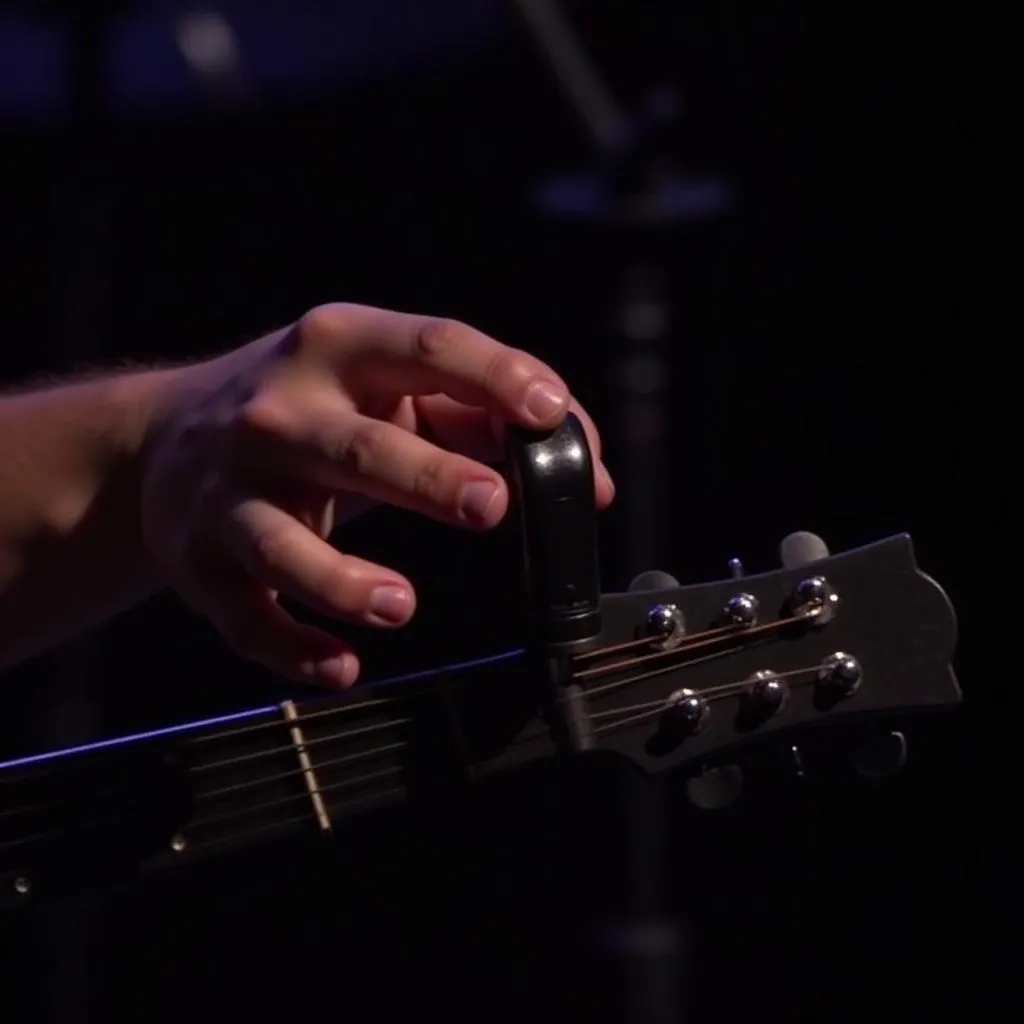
[551, 477]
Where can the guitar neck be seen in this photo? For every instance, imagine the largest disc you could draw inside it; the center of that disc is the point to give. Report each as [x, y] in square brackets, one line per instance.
[74, 819]
[681, 675]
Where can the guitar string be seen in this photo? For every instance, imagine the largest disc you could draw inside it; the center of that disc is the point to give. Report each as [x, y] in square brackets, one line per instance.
[377, 751]
[701, 640]
[288, 748]
[688, 643]
[693, 642]
[306, 716]
[334, 762]
[718, 693]
[712, 693]
[330, 787]
[368, 704]
[657, 707]
[298, 819]
[645, 641]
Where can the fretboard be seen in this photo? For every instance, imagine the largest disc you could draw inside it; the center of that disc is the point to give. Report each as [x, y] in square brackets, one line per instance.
[77, 818]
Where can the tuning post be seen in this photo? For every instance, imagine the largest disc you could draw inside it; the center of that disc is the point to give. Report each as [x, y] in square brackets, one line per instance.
[665, 626]
[686, 713]
[840, 675]
[767, 693]
[742, 610]
[736, 570]
[816, 600]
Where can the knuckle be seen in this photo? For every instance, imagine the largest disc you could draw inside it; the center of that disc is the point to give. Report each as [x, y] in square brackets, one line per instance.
[505, 371]
[272, 550]
[433, 483]
[507, 363]
[334, 590]
[320, 327]
[438, 338]
[364, 450]
[261, 416]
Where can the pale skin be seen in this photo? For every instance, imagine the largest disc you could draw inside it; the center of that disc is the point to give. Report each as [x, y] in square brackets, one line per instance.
[223, 479]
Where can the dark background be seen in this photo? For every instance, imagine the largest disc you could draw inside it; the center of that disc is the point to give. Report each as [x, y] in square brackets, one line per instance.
[843, 360]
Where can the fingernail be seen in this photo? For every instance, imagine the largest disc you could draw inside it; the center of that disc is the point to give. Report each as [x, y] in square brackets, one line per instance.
[475, 499]
[545, 400]
[342, 670]
[390, 605]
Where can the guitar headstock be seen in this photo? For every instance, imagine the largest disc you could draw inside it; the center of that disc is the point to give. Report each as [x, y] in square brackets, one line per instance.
[684, 673]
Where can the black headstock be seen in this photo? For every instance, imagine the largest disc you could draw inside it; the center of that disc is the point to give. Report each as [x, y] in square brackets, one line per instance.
[685, 673]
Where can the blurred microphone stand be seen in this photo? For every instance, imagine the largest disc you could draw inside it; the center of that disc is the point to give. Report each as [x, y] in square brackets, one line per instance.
[632, 193]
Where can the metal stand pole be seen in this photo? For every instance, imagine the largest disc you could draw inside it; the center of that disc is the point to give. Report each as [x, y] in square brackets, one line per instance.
[631, 195]
[640, 377]
[640, 949]
[634, 197]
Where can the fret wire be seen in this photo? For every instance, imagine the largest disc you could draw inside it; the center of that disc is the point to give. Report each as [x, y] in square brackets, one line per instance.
[349, 734]
[48, 773]
[300, 819]
[409, 687]
[54, 833]
[333, 762]
[377, 751]
[333, 807]
[309, 777]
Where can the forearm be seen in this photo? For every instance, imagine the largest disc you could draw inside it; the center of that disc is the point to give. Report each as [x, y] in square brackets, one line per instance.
[71, 549]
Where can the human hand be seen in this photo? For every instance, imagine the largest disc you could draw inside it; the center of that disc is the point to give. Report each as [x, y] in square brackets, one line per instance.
[261, 452]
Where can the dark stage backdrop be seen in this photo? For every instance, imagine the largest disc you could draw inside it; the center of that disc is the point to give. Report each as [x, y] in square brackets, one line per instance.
[842, 360]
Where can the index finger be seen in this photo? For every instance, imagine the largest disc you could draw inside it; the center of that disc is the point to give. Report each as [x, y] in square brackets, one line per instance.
[401, 353]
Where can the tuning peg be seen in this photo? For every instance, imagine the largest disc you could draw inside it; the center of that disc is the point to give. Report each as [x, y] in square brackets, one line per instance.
[735, 568]
[800, 549]
[653, 579]
[881, 754]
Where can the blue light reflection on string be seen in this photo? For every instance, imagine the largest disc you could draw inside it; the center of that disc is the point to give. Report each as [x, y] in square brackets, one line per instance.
[241, 716]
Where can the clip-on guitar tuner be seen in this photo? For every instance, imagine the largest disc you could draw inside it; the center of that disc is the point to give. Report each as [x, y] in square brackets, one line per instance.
[551, 480]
